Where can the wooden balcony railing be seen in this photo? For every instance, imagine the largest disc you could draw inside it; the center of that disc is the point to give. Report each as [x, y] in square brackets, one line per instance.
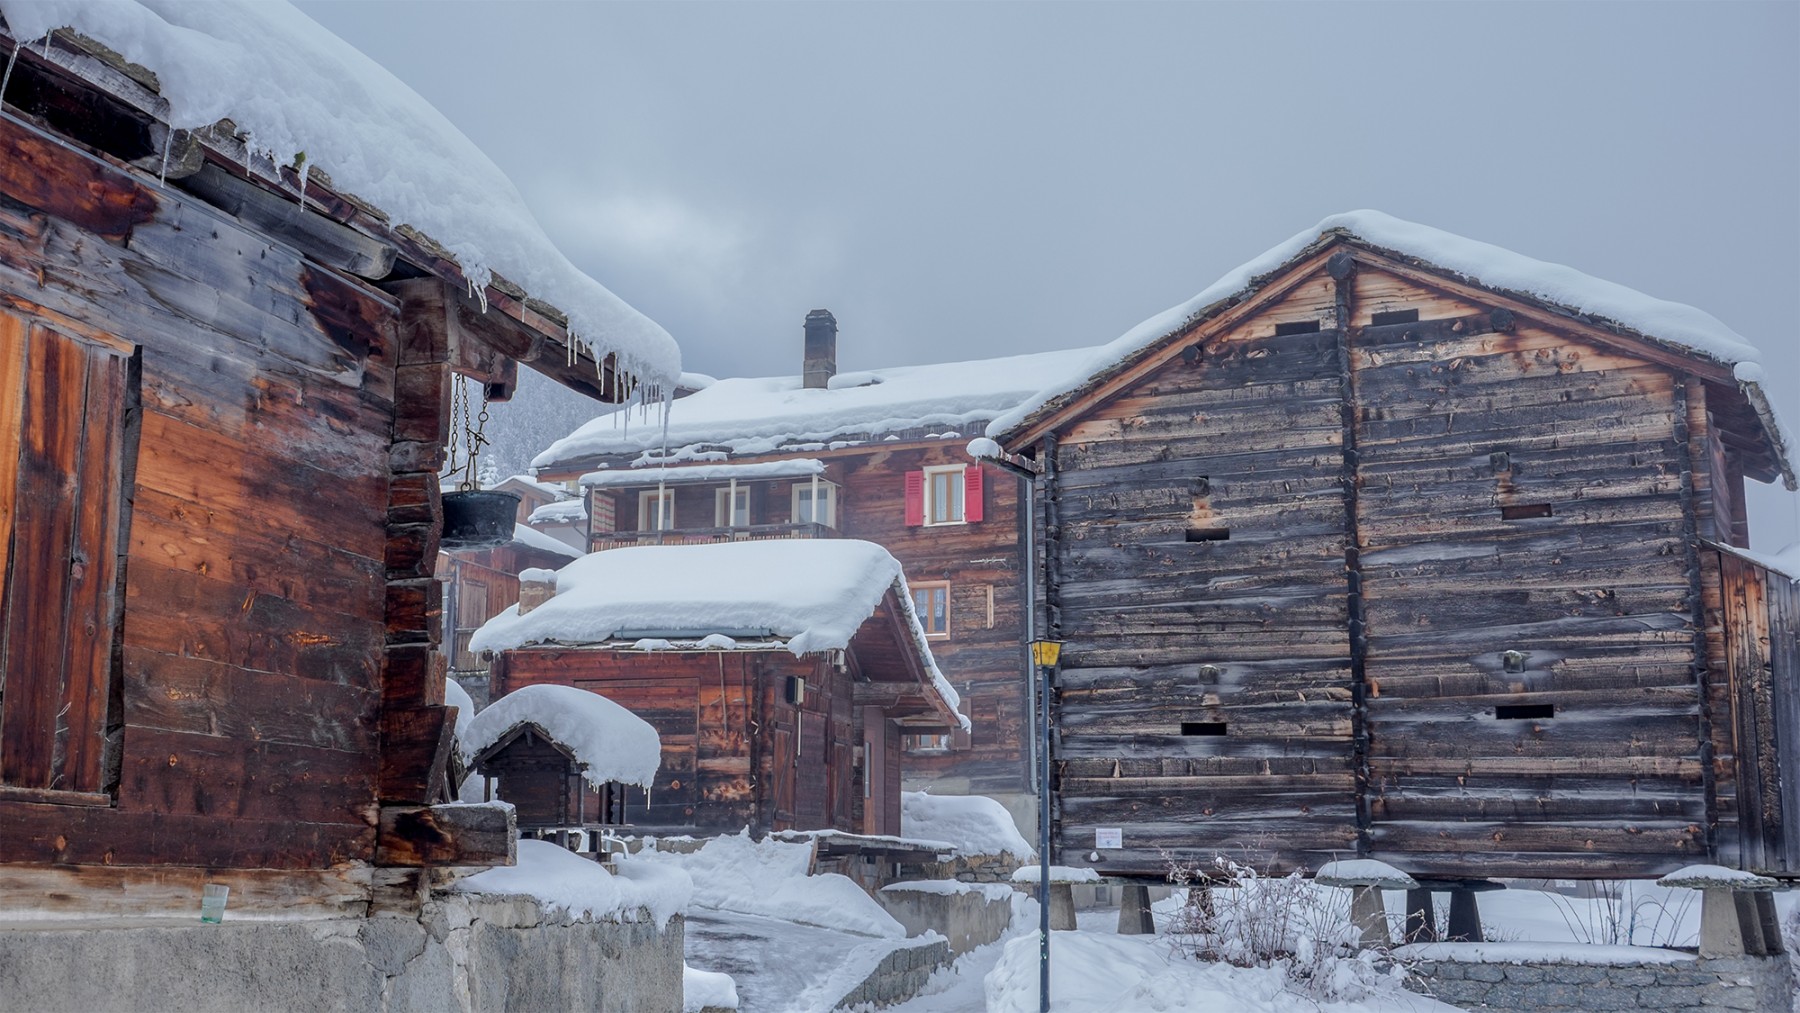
[706, 536]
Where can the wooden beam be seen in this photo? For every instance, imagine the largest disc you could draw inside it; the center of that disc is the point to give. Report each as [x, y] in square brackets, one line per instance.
[336, 246]
[413, 836]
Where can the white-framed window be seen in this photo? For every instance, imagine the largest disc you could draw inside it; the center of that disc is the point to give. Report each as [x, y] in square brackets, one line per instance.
[656, 510]
[729, 512]
[807, 512]
[944, 495]
[932, 603]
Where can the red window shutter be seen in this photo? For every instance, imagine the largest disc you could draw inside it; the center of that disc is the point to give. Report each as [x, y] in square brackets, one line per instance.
[972, 497]
[915, 498]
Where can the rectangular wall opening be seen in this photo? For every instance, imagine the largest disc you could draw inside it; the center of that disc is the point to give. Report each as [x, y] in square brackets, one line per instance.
[1297, 327]
[1524, 511]
[1394, 317]
[1524, 711]
[1203, 728]
[1208, 534]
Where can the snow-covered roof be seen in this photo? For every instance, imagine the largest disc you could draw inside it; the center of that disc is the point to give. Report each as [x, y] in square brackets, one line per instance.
[610, 742]
[534, 539]
[566, 511]
[1786, 562]
[1684, 327]
[813, 593]
[757, 415]
[695, 474]
[550, 489]
[292, 87]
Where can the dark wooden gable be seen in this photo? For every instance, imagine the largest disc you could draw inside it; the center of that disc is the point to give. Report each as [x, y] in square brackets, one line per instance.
[1379, 563]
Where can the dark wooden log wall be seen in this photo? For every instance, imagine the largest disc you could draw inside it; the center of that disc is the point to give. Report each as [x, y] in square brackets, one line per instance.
[256, 608]
[1760, 715]
[983, 656]
[1333, 639]
[735, 754]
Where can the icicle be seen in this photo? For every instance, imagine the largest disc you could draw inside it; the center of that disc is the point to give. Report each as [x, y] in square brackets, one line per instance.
[4, 80]
[303, 175]
[47, 36]
[162, 175]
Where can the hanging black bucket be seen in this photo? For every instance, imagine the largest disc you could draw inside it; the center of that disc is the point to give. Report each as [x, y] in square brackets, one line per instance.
[478, 520]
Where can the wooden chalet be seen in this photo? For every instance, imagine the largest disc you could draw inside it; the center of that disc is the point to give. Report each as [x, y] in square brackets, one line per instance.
[880, 453]
[1374, 550]
[224, 394]
[770, 716]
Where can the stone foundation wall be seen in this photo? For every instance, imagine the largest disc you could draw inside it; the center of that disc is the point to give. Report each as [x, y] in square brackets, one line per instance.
[899, 976]
[1749, 984]
[970, 916]
[463, 954]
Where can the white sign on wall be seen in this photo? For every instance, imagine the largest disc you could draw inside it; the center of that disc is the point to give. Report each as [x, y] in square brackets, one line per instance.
[1108, 837]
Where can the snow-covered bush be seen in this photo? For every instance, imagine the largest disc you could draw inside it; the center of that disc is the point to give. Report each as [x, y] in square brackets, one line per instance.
[1249, 918]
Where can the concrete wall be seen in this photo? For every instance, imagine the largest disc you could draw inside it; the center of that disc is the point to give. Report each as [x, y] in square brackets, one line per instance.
[899, 976]
[463, 954]
[1749, 984]
[970, 916]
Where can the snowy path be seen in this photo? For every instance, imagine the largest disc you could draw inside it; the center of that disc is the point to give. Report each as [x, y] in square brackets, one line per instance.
[781, 966]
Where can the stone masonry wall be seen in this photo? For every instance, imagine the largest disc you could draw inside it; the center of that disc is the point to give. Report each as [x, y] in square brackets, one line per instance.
[899, 976]
[464, 954]
[1748, 984]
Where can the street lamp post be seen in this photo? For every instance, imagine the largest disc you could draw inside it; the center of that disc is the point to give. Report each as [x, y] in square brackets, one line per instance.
[1044, 654]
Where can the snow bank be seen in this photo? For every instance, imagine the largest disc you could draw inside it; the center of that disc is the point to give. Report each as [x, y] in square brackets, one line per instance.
[1489, 266]
[1093, 972]
[293, 87]
[757, 415]
[768, 878]
[698, 473]
[703, 989]
[610, 742]
[974, 824]
[815, 592]
[564, 881]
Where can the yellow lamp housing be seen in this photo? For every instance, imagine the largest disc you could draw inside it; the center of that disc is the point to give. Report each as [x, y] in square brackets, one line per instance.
[1045, 652]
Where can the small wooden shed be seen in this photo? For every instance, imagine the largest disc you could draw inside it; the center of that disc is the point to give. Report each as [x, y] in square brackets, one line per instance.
[561, 756]
[780, 676]
[224, 394]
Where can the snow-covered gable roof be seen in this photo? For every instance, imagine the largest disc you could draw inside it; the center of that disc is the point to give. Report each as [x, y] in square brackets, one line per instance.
[293, 88]
[527, 482]
[814, 594]
[1681, 327]
[610, 742]
[759, 415]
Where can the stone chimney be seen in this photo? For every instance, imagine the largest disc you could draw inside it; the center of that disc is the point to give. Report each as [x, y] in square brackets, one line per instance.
[820, 364]
[536, 586]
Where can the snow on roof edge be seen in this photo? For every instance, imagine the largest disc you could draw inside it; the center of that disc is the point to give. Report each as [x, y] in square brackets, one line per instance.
[294, 89]
[1685, 328]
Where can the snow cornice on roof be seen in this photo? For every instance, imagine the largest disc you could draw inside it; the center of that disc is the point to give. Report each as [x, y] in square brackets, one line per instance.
[1562, 291]
[261, 89]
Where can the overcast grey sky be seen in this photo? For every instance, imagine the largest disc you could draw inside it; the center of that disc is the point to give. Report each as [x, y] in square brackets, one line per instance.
[962, 180]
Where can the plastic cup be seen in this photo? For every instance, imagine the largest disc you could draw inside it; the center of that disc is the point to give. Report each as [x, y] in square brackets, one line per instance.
[212, 902]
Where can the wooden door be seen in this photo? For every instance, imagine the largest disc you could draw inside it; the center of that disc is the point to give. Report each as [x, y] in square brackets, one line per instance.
[64, 411]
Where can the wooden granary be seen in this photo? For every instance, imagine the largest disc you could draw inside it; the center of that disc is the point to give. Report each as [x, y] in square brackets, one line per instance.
[1398, 545]
[224, 393]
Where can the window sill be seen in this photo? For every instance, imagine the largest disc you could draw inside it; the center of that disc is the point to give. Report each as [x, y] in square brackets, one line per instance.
[49, 796]
[944, 524]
